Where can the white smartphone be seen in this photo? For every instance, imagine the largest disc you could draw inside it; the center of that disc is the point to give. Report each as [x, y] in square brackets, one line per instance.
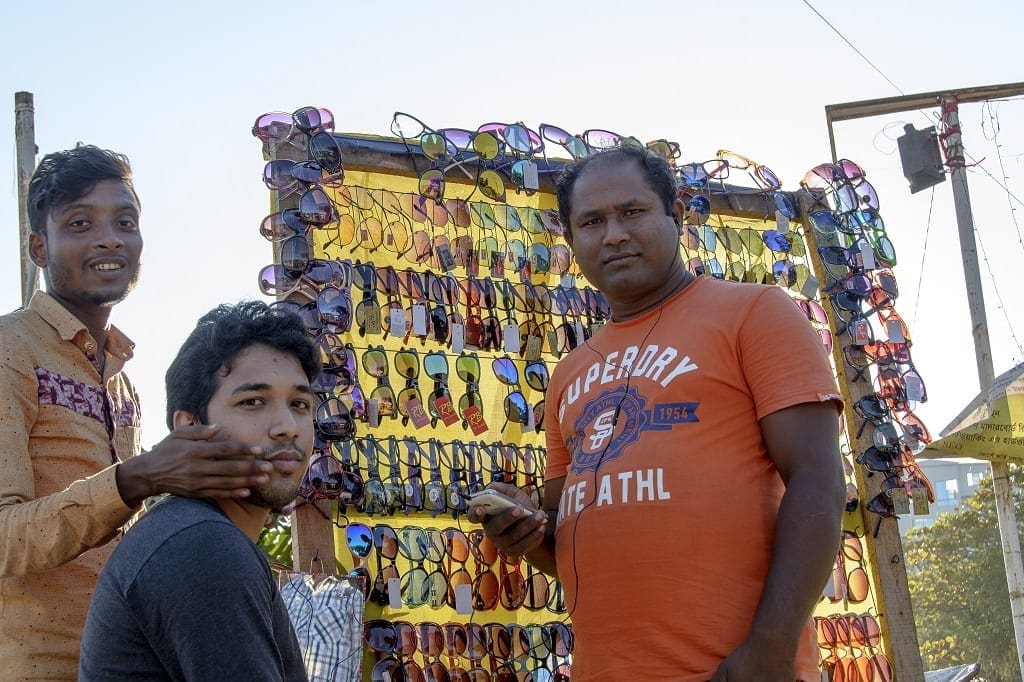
[493, 502]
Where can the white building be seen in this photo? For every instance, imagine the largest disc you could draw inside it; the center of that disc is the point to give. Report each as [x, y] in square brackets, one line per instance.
[954, 480]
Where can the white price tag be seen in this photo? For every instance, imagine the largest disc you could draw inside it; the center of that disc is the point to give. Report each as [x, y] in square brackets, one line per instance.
[445, 258]
[531, 419]
[919, 499]
[464, 599]
[419, 320]
[900, 500]
[782, 222]
[867, 256]
[458, 338]
[510, 336]
[530, 179]
[810, 288]
[372, 412]
[395, 593]
[860, 333]
[895, 331]
[397, 318]
[914, 392]
[534, 346]
[830, 587]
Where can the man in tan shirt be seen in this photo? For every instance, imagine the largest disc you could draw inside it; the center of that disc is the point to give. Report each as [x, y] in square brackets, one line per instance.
[70, 470]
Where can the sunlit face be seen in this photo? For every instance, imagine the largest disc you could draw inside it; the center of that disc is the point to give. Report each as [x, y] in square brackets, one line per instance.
[91, 248]
[265, 400]
[623, 240]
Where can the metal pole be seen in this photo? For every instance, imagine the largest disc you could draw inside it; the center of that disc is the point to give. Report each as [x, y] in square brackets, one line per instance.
[25, 142]
[986, 374]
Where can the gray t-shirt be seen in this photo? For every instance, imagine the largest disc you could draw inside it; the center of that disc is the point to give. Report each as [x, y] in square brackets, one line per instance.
[187, 596]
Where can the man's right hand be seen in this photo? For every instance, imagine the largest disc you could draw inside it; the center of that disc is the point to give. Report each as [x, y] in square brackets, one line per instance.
[514, 531]
[188, 463]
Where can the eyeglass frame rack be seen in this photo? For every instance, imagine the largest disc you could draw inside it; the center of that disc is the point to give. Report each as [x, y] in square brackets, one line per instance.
[313, 533]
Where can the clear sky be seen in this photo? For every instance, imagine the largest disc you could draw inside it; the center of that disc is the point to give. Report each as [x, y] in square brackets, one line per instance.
[176, 87]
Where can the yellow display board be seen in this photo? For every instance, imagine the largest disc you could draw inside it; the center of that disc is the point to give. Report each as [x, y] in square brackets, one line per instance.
[458, 310]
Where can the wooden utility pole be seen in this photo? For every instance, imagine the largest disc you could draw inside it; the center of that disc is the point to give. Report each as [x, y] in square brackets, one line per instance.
[986, 374]
[25, 142]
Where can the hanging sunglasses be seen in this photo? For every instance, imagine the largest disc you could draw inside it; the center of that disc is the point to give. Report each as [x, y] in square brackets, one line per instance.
[410, 403]
[335, 308]
[884, 289]
[850, 258]
[789, 274]
[889, 353]
[439, 400]
[367, 312]
[334, 420]
[325, 150]
[667, 150]
[328, 480]
[281, 279]
[378, 497]
[279, 226]
[436, 147]
[537, 375]
[337, 364]
[856, 283]
[467, 366]
[312, 120]
[905, 388]
[824, 176]
[597, 140]
[274, 126]
[845, 302]
[278, 126]
[697, 175]
[433, 144]
[812, 310]
[915, 433]
[375, 363]
[282, 175]
[824, 222]
[516, 408]
[762, 175]
[698, 210]
[315, 208]
[574, 145]
[515, 136]
[790, 243]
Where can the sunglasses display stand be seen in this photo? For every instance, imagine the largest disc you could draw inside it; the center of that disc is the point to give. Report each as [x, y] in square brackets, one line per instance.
[431, 268]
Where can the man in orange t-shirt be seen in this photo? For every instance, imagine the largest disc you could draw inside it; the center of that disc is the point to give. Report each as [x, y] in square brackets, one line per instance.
[694, 491]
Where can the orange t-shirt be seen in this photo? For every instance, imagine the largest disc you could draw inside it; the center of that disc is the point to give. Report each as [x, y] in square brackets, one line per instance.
[667, 515]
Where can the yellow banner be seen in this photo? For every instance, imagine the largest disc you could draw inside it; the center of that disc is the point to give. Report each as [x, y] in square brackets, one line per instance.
[991, 427]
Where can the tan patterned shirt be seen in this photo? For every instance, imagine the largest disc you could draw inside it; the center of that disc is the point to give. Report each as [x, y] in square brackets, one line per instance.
[63, 428]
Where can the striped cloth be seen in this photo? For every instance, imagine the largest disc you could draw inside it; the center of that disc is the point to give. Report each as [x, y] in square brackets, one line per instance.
[327, 614]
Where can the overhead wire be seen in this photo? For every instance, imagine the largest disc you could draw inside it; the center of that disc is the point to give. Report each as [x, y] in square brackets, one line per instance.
[924, 250]
[854, 48]
[999, 297]
[993, 116]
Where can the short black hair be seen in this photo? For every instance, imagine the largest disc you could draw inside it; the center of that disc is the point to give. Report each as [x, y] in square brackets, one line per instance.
[63, 177]
[656, 170]
[219, 336]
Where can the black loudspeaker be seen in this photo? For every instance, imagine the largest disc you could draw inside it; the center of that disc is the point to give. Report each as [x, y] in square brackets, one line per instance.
[921, 158]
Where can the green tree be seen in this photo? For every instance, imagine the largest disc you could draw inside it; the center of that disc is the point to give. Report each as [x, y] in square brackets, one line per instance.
[958, 585]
